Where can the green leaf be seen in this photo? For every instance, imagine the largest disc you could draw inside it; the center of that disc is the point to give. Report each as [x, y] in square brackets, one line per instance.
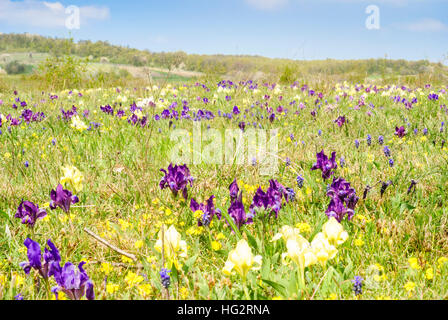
[232, 224]
[251, 240]
[276, 286]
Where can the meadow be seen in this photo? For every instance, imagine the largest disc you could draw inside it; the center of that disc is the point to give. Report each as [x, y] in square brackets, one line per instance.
[356, 210]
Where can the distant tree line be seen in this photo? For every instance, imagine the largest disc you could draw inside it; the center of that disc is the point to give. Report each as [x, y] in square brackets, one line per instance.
[101, 51]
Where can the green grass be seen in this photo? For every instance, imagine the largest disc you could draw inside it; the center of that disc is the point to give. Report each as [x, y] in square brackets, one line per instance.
[121, 200]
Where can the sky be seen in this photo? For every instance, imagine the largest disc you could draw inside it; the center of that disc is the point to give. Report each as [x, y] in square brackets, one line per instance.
[293, 29]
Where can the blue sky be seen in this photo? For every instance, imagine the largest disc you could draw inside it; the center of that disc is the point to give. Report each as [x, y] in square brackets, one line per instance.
[296, 29]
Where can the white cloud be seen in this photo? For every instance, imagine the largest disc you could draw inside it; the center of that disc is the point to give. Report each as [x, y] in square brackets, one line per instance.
[267, 4]
[426, 25]
[45, 14]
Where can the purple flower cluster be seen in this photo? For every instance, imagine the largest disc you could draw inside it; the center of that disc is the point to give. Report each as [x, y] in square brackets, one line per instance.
[62, 198]
[208, 209]
[177, 178]
[325, 164]
[29, 213]
[343, 200]
[74, 283]
[271, 200]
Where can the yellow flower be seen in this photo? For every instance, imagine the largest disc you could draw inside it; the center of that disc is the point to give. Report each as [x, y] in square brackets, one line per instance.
[413, 262]
[174, 246]
[323, 250]
[242, 260]
[124, 224]
[145, 289]
[7, 155]
[334, 232]
[359, 242]
[183, 293]
[429, 274]
[133, 279]
[441, 262]
[303, 227]
[106, 268]
[138, 244]
[299, 251]
[73, 177]
[287, 233]
[2, 280]
[112, 288]
[216, 246]
[78, 124]
[333, 296]
[220, 236]
[409, 287]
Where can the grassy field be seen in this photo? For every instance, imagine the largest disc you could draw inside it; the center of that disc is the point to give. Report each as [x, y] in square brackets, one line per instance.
[396, 241]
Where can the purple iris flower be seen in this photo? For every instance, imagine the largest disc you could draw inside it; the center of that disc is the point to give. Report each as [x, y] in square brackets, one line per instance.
[271, 200]
[400, 132]
[62, 198]
[177, 179]
[51, 256]
[208, 209]
[234, 190]
[343, 200]
[238, 213]
[29, 213]
[325, 164]
[340, 121]
[73, 282]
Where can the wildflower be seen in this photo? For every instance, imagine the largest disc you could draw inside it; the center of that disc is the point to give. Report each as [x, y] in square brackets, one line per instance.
[177, 179]
[165, 278]
[400, 132]
[106, 268]
[304, 227]
[112, 288]
[413, 262]
[357, 144]
[34, 254]
[322, 249]
[174, 246]
[357, 285]
[441, 262]
[18, 297]
[300, 252]
[73, 177]
[287, 233]
[29, 213]
[325, 164]
[207, 210]
[78, 124]
[387, 151]
[216, 246]
[138, 244]
[73, 282]
[429, 274]
[300, 181]
[132, 279]
[62, 198]
[381, 140]
[412, 186]
[340, 121]
[369, 140]
[238, 213]
[343, 200]
[384, 187]
[410, 287]
[234, 190]
[391, 163]
[271, 200]
[242, 260]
